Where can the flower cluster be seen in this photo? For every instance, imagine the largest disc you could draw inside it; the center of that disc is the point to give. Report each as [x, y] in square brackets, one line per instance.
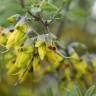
[38, 56]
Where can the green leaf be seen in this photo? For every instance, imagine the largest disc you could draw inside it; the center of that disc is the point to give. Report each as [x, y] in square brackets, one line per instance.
[48, 6]
[90, 91]
[35, 10]
[50, 93]
[73, 90]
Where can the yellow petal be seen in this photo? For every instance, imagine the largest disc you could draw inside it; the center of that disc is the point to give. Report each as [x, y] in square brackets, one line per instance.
[11, 39]
[35, 64]
[39, 43]
[22, 26]
[13, 19]
[54, 58]
[42, 52]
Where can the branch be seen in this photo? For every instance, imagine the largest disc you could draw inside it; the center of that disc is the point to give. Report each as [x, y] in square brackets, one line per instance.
[40, 19]
[22, 2]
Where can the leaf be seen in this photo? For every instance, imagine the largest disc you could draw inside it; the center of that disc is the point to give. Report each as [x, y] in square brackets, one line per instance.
[35, 10]
[73, 90]
[50, 93]
[49, 7]
[90, 91]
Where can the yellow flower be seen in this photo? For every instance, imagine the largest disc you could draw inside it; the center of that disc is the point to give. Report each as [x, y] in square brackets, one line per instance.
[3, 37]
[22, 26]
[78, 63]
[17, 36]
[13, 18]
[53, 57]
[36, 65]
[11, 39]
[41, 45]
[22, 57]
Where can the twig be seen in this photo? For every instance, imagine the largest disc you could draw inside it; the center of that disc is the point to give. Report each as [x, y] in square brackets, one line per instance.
[46, 25]
[40, 19]
[37, 18]
[22, 3]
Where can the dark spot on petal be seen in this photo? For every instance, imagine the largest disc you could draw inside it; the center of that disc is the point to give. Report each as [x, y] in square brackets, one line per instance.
[13, 61]
[54, 48]
[50, 47]
[66, 66]
[3, 34]
[11, 30]
[21, 49]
